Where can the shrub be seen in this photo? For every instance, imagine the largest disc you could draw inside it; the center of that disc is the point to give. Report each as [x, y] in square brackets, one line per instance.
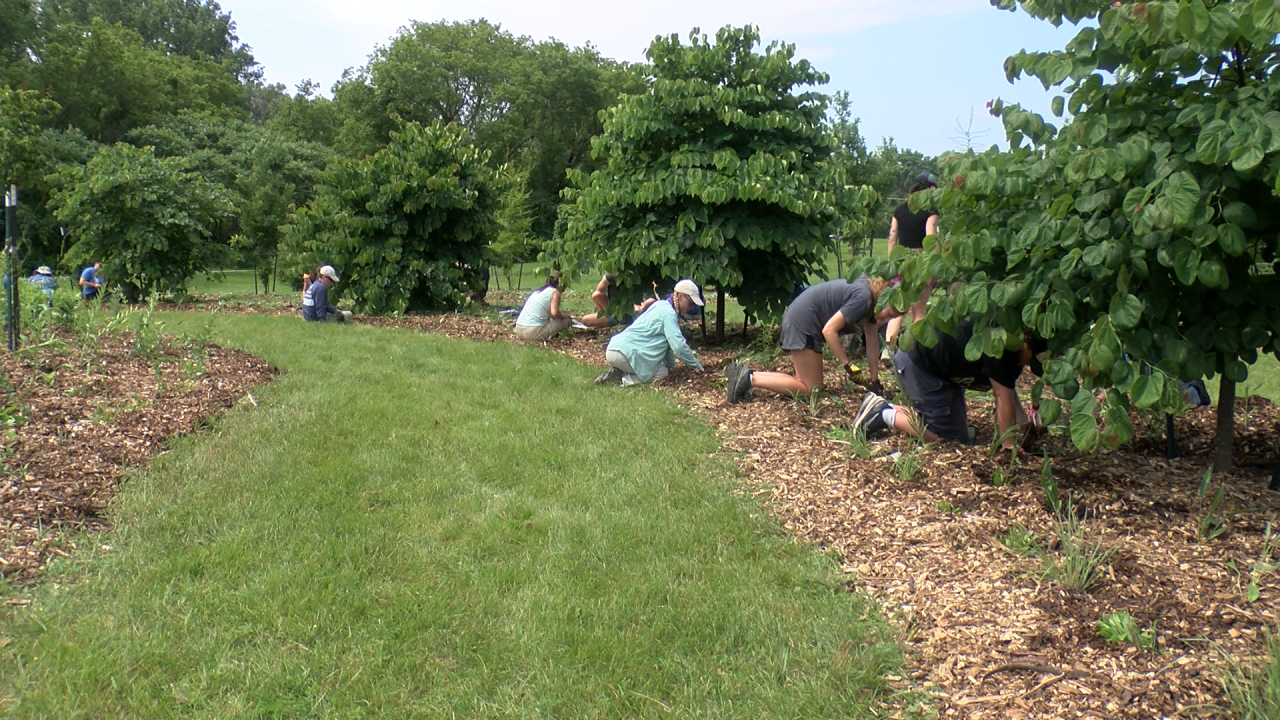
[408, 227]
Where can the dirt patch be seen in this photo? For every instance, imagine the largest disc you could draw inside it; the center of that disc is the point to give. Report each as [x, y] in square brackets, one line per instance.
[77, 416]
[983, 630]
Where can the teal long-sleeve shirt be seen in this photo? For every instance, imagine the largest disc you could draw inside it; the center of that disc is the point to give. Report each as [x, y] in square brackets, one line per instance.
[653, 339]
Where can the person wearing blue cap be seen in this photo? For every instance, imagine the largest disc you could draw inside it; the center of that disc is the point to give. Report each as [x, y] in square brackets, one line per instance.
[909, 229]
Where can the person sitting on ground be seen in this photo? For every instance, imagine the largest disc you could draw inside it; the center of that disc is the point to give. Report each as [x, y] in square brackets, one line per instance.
[541, 319]
[909, 230]
[600, 297]
[821, 313]
[44, 280]
[646, 351]
[315, 301]
[91, 282]
[936, 378]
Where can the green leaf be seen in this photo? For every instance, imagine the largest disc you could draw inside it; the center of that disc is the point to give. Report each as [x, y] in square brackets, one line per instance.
[1050, 411]
[1147, 390]
[1186, 265]
[1181, 195]
[1251, 593]
[1249, 158]
[1232, 239]
[1056, 105]
[1126, 311]
[1084, 431]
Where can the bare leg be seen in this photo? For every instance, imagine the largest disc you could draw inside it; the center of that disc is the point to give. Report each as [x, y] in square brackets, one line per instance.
[594, 320]
[601, 301]
[906, 421]
[808, 365]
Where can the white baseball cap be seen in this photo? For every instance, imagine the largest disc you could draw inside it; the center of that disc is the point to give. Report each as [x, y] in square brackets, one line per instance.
[687, 287]
[329, 272]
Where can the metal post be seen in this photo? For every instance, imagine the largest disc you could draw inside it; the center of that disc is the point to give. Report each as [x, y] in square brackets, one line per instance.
[11, 292]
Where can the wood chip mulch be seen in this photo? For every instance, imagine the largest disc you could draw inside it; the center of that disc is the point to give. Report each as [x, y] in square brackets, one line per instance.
[78, 416]
[985, 635]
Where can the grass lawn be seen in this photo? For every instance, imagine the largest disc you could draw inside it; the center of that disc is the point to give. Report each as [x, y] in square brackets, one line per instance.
[410, 526]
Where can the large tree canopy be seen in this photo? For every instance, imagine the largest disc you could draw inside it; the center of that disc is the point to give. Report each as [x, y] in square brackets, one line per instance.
[408, 227]
[719, 173]
[1141, 238]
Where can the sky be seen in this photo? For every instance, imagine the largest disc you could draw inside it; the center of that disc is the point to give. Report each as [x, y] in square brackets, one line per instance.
[916, 70]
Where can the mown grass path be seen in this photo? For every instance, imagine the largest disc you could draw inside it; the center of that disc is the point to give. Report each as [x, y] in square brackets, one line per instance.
[410, 526]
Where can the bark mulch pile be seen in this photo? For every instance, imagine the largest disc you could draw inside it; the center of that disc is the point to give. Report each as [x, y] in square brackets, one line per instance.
[985, 631]
[78, 412]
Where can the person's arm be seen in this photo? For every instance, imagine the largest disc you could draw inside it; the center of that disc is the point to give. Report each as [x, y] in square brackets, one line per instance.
[931, 225]
[555, 305]
[831, 333]
[1009, 413]
[320, 296]
[871, 334]
[676, 342]
[893, 235]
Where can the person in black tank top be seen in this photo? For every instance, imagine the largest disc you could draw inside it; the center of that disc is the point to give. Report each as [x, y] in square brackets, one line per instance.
[909, 230]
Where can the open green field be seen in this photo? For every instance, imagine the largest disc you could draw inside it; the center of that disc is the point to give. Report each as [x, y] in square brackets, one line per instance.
[411, 526]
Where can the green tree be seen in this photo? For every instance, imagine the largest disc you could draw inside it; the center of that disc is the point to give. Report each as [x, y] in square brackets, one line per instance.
[892, 170]
[195, 29]
[408, 227]
[307, 116]
[514, 240]
[1139, 238]
[718, 173]
[523, 101]
[17, 32]
[109, 81]
[144, 218]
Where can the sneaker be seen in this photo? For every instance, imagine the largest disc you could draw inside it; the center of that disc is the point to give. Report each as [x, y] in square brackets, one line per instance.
[612, 376]
[869, 414]
[738, 387]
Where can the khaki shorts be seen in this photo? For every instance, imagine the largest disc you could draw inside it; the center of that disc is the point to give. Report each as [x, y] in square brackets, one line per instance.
[541, 333]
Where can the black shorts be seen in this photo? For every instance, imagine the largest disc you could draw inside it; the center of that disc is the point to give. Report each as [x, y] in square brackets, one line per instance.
[938, 401]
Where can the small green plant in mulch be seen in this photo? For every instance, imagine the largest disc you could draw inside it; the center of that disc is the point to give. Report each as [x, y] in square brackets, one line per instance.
[855, 438]
[907, 466]
[1211, 522]
[1021, 541]
[1122, 629]
[1081, 559]
[1262, 569]
[947, 508]
[1252, 690]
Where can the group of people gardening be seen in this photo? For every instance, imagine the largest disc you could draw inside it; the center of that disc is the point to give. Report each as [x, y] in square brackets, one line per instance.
[935, 378]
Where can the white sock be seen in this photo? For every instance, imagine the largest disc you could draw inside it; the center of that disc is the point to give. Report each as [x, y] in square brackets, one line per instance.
[889, 415]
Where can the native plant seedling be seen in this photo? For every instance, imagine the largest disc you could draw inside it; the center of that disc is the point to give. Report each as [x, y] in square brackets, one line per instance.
[1020, 541]
[1082, 558]
[1120, 628]
[1212, 523]
[906, 466]
[1267, 564]
[947, 508]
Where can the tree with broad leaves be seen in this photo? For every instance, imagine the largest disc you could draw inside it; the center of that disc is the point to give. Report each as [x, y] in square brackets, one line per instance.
[1140, 237]
[146, 219]
[719, 173]
[408, 227]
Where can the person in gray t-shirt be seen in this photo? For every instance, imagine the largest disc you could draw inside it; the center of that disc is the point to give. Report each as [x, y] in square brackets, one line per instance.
[821, 314]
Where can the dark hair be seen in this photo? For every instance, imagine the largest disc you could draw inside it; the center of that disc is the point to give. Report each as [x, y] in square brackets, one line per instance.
[553, 280]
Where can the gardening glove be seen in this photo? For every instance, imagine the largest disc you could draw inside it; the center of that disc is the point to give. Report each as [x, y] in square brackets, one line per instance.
[876, 387]
[850, 370]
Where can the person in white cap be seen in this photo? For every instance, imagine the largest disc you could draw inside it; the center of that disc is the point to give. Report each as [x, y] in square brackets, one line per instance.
[45, 281]
[315, 301]
[646, 351]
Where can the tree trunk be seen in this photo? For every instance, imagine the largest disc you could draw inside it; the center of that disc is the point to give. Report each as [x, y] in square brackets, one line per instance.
[719, 314]
[1226, 425]
[1170, 439]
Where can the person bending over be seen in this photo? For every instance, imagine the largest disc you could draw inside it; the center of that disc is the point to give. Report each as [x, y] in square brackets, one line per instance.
[45, 282]
[647, 350]
[936, 379]
[91, 282]
[821, 313]
[315, 301]
[909, 230]
[540, 319]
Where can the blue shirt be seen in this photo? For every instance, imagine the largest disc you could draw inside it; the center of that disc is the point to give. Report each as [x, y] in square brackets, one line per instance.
[46, 283]
[315, 302]
[653, 339]
[537, 309]
[90, 275]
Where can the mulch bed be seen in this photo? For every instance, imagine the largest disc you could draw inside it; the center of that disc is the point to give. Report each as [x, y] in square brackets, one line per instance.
[81, 415]
[984, 633]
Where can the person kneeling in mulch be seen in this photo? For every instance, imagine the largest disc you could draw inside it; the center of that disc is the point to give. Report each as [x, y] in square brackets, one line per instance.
[315, 300]
[540, 319]
[646, 351]
[936, 379]
[821, 313]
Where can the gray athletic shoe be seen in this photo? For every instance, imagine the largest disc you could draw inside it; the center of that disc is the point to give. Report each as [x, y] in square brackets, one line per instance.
[739, 385]
[612, 376]
[869, 414]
